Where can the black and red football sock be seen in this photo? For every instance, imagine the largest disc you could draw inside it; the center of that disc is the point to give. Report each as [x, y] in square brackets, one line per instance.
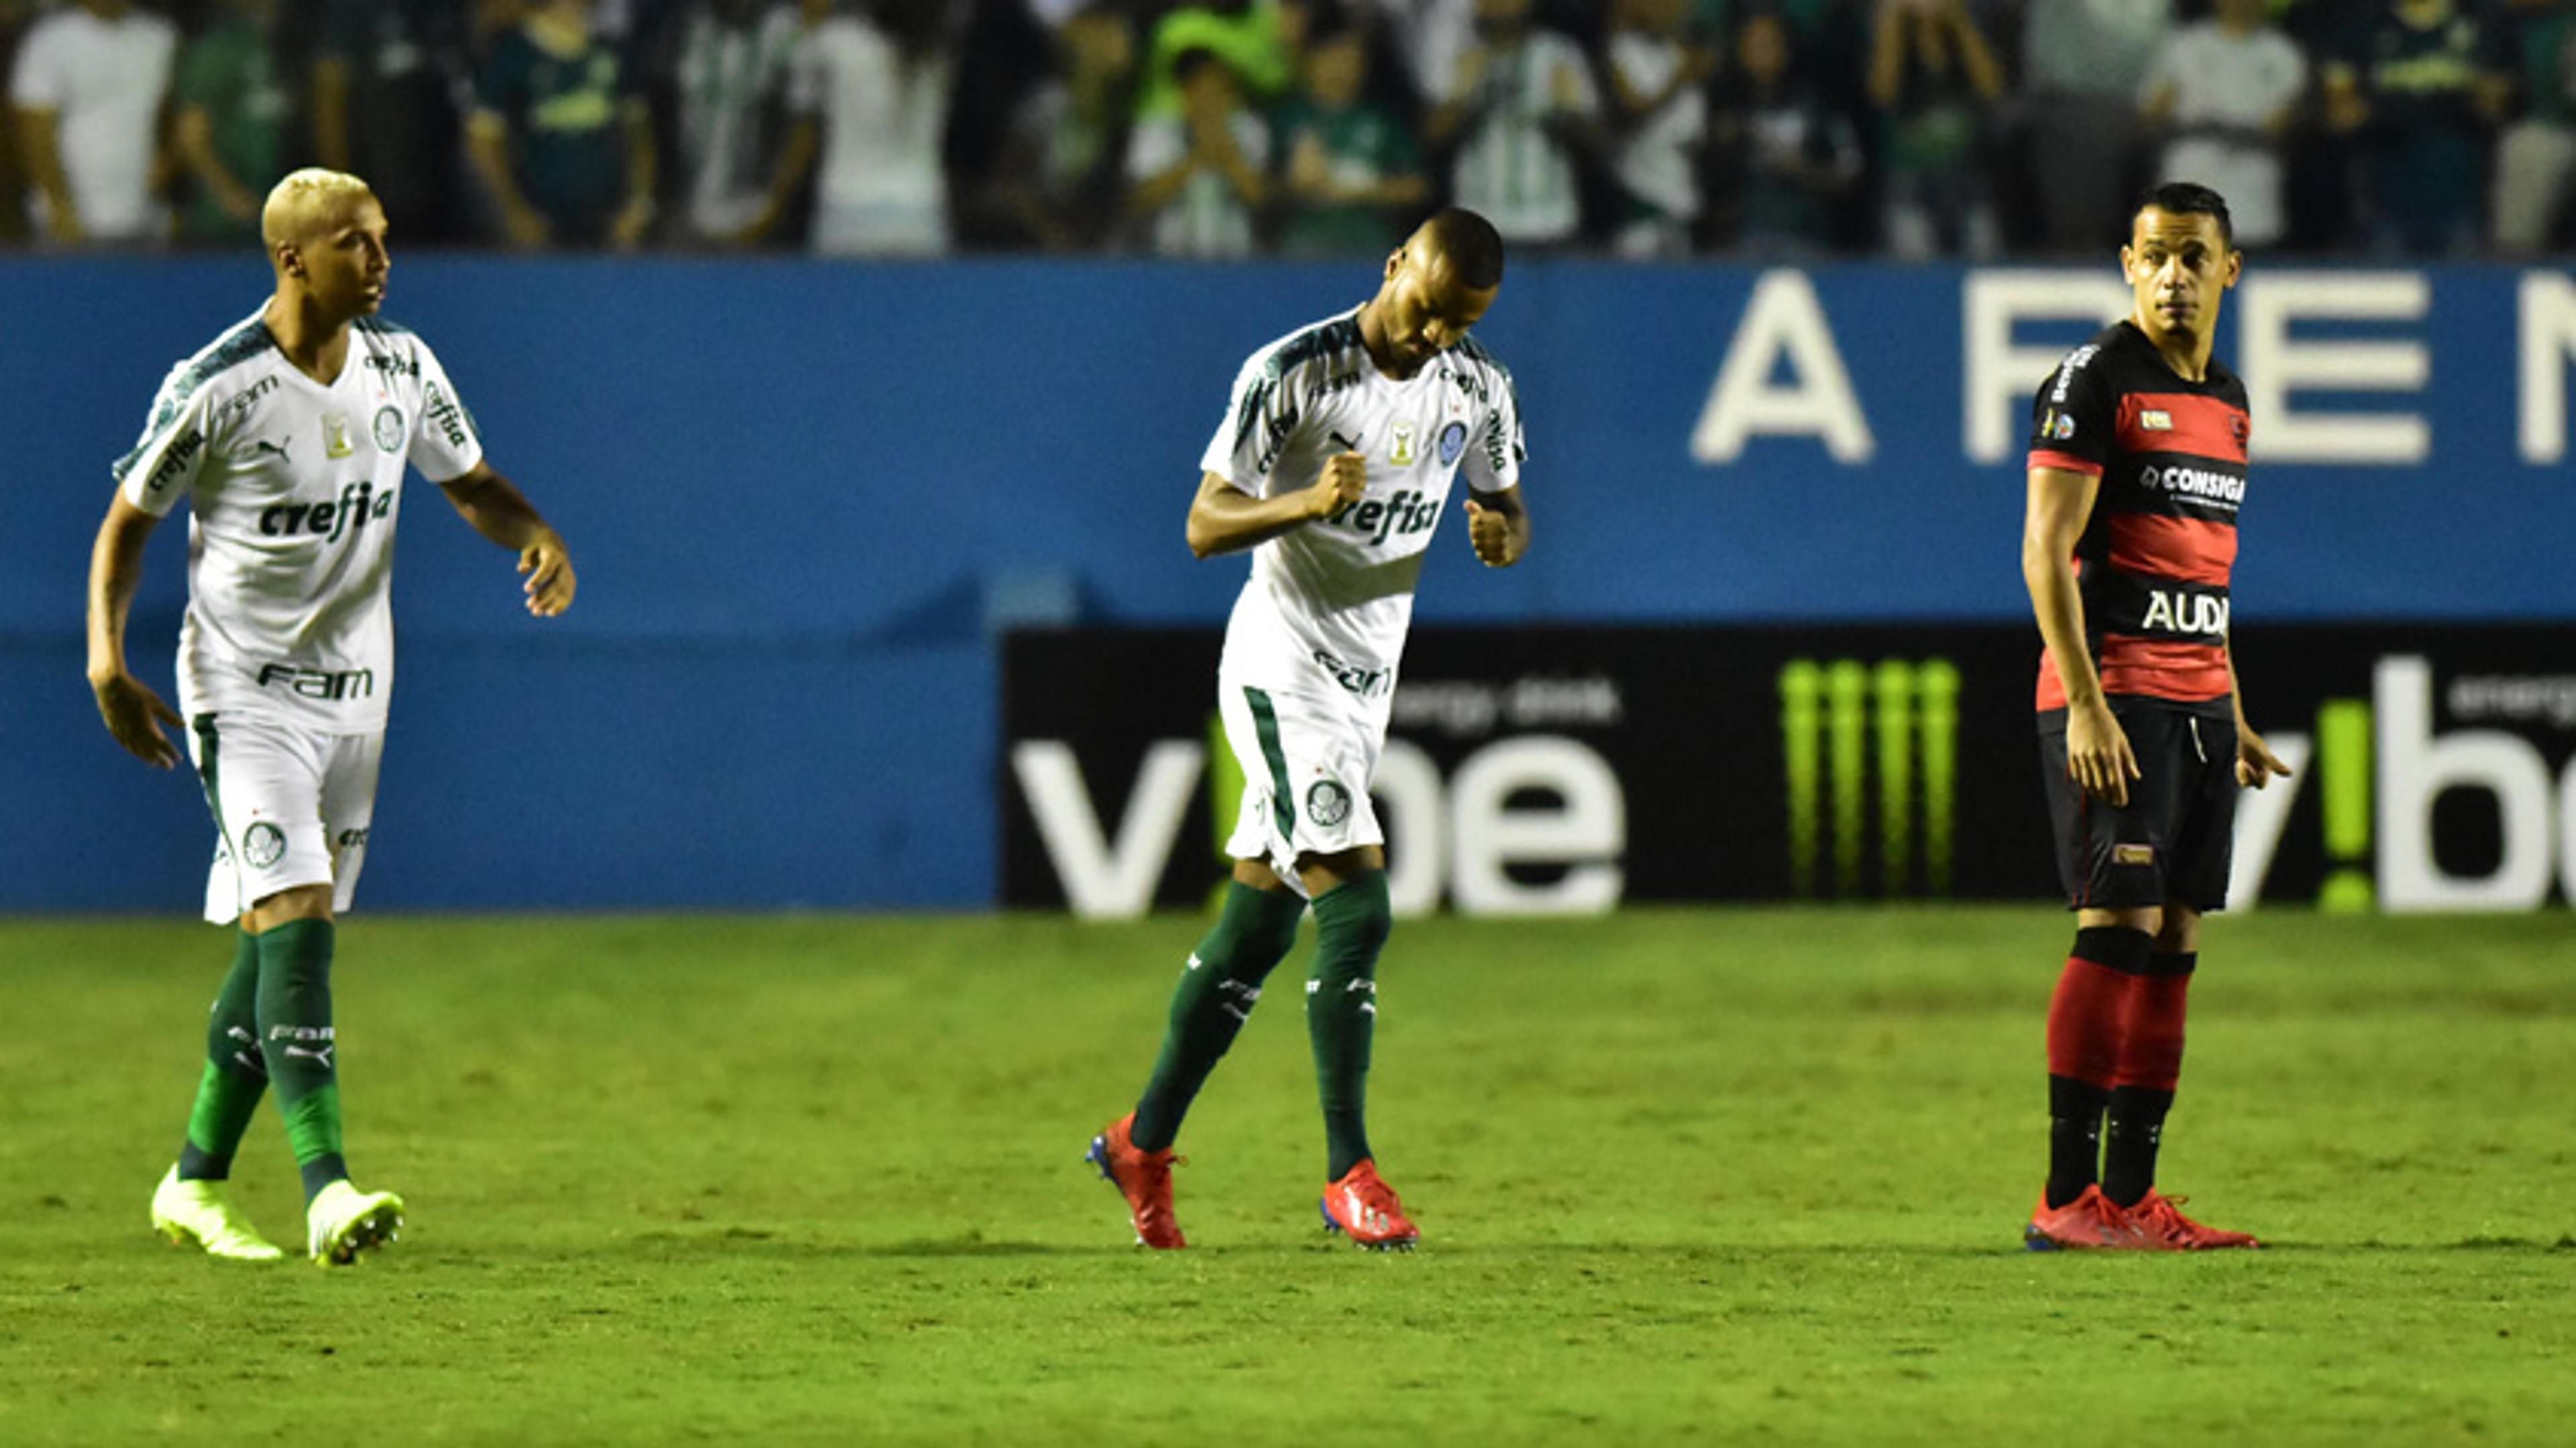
[2087, 1021]
[2150, 1068]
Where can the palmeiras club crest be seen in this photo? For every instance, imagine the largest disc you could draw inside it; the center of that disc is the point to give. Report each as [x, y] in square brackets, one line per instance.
[1327, 803]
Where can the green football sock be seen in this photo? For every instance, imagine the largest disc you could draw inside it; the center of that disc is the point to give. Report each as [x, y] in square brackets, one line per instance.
[1215, 996]
[235, 1076]
[1351, 926]
[295, 1035]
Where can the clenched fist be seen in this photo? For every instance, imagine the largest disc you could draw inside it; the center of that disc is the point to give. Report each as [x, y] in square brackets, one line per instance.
[1344, 479]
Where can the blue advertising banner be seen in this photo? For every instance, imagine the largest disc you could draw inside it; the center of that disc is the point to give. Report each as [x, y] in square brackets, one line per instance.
[805, 498]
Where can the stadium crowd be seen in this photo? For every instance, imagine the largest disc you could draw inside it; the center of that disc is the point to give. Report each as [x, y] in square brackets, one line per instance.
[1641, 128]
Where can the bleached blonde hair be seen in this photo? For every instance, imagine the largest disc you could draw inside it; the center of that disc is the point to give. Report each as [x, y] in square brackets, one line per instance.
[297, 199]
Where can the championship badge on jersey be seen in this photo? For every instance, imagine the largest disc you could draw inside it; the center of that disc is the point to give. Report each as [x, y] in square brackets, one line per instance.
[335, 436]
[1400, 452]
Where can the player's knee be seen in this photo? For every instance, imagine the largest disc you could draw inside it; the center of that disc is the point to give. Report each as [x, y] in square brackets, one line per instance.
[299, 902]
[1254, 932]
[2147, 920]
[1354, 920]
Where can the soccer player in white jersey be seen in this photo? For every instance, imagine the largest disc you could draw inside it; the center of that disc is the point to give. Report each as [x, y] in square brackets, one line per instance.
[1333, 465]
[288, 435]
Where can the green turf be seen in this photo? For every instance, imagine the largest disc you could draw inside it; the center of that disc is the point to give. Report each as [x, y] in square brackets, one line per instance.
[1681, 1175]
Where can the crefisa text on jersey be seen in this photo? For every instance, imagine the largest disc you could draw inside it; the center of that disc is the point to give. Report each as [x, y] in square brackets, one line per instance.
[328, 520]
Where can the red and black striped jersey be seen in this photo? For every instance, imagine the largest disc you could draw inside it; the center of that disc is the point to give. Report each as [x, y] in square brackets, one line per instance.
[2155, 555]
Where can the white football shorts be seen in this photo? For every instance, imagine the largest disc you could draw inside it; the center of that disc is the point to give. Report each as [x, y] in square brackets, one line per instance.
[1308, 759]
[292, 807]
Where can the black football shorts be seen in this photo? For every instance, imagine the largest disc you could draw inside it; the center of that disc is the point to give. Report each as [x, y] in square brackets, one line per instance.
[2172, 842]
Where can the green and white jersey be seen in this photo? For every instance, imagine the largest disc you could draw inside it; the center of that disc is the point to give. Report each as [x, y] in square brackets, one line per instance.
[1330, 600]
[1510, 165]
[293, 491]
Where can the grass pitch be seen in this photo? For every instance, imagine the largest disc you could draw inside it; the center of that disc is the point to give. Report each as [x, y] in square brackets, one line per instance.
[1722, 1175]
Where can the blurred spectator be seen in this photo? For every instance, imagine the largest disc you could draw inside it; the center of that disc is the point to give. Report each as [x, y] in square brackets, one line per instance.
[1428, 37]
[1522, 112]
[1354, 173]
[386, 74]
[1933, 78]
[230, 134]
[2084, 63]
[1789, 155]
[1058, 182]
[2225, 90]
[742, 155]
[88, 86]
[1257, 39]
[559, 139]
[14, 16]
[881, 78]
[2536, 155]
[1199, 177]
[2422, 84]
[1658, 73]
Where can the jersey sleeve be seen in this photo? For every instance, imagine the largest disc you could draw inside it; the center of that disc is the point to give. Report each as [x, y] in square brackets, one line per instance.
[445, 444]
[166, 460]
[2072, 417]
[1266, 410]
[1493, 463]
[38, 81]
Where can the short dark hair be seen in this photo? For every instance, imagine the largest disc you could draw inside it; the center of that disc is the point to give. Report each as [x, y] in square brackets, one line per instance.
[2190, 198]
[1471, 245]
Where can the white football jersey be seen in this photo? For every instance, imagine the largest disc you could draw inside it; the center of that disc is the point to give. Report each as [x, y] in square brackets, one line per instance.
[1331, 599]
[293, 491]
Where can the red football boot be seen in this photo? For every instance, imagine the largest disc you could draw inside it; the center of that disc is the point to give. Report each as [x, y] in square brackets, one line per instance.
[1144, 1178]
[2087, 1223]
[2158, 1223]
[1363, 1207]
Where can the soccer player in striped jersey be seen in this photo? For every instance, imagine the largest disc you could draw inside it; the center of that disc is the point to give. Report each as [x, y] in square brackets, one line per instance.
[289, 436]
[1333, 466]
[2136, 473]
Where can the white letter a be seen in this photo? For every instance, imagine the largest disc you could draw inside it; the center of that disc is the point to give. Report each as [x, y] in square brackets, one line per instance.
[1783, 317]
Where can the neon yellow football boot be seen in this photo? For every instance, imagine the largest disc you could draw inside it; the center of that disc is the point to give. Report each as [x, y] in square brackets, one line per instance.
[344, 1221]
[203, 1213]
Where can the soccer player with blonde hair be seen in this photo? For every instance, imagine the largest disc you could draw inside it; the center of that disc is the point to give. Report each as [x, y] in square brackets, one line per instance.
[290, 435]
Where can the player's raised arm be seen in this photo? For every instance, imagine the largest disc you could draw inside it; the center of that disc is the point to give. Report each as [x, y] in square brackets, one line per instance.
[1224, 518]
[2097, 750]
[500, 512]
[133, 713]
[1498, 525]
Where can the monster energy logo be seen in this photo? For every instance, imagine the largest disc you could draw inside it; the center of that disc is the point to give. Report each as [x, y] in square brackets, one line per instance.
[1840, 722]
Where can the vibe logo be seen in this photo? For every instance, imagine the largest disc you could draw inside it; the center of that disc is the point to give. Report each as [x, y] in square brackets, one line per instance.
[1844, 724]
[1522, 806]
[2379, 768]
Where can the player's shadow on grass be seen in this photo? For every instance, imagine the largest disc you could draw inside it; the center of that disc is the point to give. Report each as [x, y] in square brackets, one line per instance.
[764, 1241]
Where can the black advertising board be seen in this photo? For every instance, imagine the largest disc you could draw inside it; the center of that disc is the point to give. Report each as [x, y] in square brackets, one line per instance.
[1569, 769]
